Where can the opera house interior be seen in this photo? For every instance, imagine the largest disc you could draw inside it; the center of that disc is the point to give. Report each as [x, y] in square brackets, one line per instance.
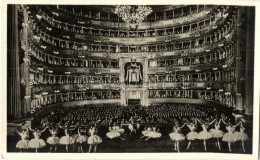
[107, 78]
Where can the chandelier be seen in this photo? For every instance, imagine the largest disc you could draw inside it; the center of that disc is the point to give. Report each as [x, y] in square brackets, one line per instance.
[133, 15]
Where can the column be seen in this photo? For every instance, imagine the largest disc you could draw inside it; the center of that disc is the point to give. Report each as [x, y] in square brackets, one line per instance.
[239, 107]
[145, 76]
[121, 64]
[27, 98]
[14, 108]
[123, 98]
[249, 62]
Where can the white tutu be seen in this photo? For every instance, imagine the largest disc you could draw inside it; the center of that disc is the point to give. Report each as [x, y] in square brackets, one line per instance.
[204, 135]
[53, 140]
[37, 143]
[240, 136]
[23, 144]
[192, 135]
[113, 134]
[176, 136]
[94, 139]
[216, 133]
[145, 132]
[81, 139]
[154, 134]
[229, 137]
[66, 140]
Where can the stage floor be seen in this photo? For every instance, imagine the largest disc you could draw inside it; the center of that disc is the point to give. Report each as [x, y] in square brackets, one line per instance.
[133, 143]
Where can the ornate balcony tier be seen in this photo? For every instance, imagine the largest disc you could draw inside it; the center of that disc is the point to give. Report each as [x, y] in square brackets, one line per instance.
[123, 26]
[209, 56]
[223, 35]
[74, 31]
[72, 61]
[108, 59]
[75, 70]
[106, 12]
[74, 87]
[115, 86]
[227, 98]
[174, 85]
[228, 63]
[225, 75]
[38, 51]
[38, 78]
[73, 35]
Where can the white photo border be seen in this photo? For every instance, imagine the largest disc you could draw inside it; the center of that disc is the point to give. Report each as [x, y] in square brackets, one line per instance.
[114, 156]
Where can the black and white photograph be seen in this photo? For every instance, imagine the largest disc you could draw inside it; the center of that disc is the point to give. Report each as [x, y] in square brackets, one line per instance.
[120, 78]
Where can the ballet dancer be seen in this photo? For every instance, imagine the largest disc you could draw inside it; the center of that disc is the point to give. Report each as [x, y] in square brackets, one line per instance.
[146, 130]
[119, 128]
[36, 142]
[176, 136]
[229, 137]
[94, 139]
[241, 135]
[23, 144]
[80, 139]
[53, 140]
[204, 134]
[192, 135]
[113, 132]
[66, 139]
[154, 133]
[217, 133]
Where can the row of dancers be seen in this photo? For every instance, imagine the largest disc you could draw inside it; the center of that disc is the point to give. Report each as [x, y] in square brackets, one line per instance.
[36, 143]
[230, 136]
[117, 131]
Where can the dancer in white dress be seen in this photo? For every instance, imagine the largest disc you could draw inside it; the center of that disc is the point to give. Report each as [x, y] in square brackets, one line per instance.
[154, 133]
[146, 130]
[80, 139]
[241, 135]
[53, 140]
[66, 139]
[204, 134]
[192, 135]
[113, 132]
[229, 137]
[217, 133]
[37, 143]
[94, 139]
[120, 129]
[23, 144]
[176, 136]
